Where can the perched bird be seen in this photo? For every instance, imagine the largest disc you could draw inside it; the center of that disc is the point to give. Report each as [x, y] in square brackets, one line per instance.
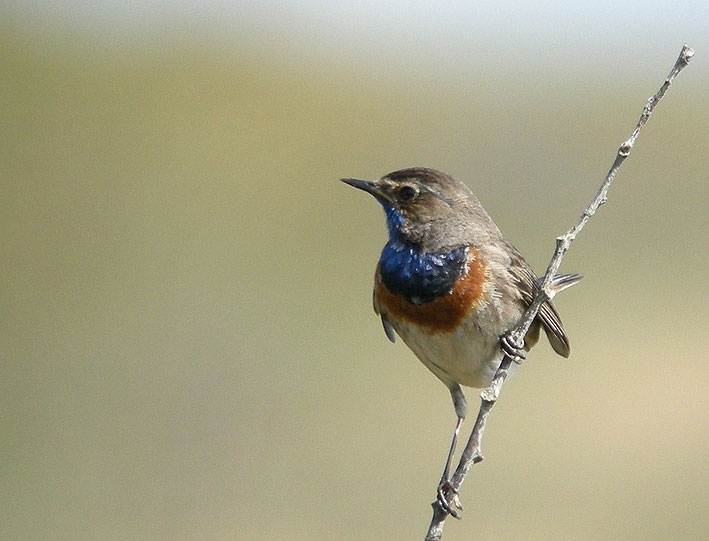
[452, 287]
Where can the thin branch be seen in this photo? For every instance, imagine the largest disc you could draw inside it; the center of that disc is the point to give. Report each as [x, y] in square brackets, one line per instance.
[472, 454]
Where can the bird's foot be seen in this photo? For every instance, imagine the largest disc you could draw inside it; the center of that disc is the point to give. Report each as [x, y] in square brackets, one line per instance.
[512, 348]
[443, 495]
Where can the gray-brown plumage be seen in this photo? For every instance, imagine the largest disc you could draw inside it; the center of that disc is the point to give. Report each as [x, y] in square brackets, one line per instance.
[450, 285]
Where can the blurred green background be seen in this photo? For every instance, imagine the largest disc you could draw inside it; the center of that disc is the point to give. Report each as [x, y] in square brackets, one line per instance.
[189, 349]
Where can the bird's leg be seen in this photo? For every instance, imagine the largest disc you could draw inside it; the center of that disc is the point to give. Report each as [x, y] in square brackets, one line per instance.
[512, 348]
[445, 487]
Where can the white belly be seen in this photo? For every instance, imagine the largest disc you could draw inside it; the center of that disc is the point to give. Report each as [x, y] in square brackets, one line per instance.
[465, 356]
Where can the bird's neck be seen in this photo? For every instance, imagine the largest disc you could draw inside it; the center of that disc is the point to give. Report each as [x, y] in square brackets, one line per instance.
[420, 277]
[394, 220]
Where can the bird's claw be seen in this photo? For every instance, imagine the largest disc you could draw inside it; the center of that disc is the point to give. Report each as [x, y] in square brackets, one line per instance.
[445, 488]
[511, 348]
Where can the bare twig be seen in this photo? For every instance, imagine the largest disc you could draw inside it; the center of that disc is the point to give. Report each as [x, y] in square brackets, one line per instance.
[472, 454]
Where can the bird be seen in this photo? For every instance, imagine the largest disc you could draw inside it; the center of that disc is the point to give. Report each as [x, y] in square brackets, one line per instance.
[453, 288]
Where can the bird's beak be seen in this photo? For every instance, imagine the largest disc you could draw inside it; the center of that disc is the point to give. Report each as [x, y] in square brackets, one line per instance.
[369, 186]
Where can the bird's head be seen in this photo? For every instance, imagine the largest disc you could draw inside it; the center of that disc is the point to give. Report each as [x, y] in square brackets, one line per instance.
[428, 209]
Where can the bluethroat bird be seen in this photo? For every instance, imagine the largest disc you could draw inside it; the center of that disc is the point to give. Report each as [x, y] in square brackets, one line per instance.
[451, 286]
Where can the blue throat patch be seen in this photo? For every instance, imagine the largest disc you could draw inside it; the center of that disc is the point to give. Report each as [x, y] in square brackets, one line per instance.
[419, 277]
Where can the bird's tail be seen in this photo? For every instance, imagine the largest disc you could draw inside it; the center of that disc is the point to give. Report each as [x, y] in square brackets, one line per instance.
[560, 282]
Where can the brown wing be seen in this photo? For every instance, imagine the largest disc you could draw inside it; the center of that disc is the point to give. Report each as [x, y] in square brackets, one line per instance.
[547, 316]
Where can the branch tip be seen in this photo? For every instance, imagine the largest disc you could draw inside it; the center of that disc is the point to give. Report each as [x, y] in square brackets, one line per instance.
[687, 53]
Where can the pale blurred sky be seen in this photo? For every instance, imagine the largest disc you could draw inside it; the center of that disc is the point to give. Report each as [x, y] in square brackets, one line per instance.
[430, 33]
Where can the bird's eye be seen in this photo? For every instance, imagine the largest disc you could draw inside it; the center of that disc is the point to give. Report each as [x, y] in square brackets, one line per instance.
[407, 193]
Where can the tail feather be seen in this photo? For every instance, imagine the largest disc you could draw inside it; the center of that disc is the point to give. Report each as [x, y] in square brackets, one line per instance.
[550, 318]
[560, 282]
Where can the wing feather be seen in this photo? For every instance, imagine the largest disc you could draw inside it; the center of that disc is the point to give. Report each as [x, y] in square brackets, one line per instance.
[548, 315]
